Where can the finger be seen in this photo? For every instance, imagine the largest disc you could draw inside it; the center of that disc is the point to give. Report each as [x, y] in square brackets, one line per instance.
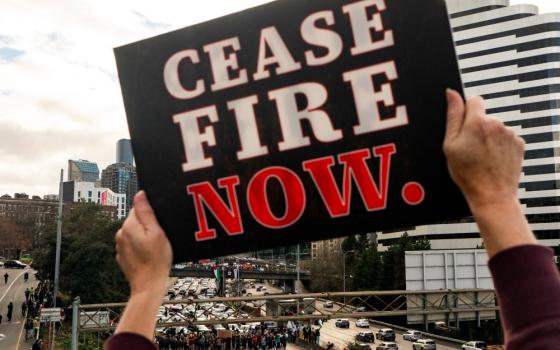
[455, 114]
[144, 212]
[475, 108]
[131, 224]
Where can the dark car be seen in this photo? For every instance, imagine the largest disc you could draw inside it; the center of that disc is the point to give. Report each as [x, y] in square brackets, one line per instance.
[366, 337]
[14, 264]
[342, 323]
[385, 334]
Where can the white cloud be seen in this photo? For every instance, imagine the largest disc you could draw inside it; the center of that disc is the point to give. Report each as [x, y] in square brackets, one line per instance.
[61, 99]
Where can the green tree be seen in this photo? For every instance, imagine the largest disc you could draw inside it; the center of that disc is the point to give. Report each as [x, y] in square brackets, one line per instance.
[349, 243]
[87, 262]
[362, 244]
[366, 270]
[393, 268]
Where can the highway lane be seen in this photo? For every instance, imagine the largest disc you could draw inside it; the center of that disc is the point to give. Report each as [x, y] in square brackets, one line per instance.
[10, 332]
[341, 337]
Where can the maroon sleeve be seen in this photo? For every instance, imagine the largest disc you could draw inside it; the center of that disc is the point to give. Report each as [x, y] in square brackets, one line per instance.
[126, 341]
[527, 284]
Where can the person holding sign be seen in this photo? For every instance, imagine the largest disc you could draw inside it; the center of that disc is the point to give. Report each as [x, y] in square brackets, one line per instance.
[484, 160]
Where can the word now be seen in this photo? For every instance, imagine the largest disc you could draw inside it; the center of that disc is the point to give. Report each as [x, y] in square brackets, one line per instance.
[337, 200]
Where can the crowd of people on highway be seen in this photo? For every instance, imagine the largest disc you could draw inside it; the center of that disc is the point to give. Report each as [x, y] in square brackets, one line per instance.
[255, 339]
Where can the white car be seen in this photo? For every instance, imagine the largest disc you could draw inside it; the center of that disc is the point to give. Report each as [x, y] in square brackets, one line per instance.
[424, 344]
[387, 345]
[412, 335]
[474, 345]
[362, 323]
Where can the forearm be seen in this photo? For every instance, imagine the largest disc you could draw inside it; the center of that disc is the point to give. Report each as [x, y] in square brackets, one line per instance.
[139, 316]
[502, 225]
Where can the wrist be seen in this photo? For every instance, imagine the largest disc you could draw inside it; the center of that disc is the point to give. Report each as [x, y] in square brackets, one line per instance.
[502, 225]
[505, 204]
[150, 289]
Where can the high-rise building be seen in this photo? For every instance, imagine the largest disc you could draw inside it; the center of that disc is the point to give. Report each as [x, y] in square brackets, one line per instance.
[510, 55]
[121, 178]
[82, 170]
[124, 152]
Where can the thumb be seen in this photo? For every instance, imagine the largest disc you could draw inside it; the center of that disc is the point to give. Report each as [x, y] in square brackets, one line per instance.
[144, 212]
[455, 114]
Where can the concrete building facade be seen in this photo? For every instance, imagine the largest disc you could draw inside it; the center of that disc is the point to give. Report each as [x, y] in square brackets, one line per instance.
[88, 192]
[326, 248]
[510, 55]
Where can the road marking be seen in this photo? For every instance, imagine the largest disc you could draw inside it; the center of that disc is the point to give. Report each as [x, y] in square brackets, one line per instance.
[11, 284]
[20, 332]
[2, 336]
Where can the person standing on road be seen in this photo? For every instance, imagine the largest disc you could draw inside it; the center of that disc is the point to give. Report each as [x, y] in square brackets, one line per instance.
[36, 325]
[38, 345]
[28, 328]
[10, 310]
[23, 308]
[6, 278]
[25, 277]
[27, 292]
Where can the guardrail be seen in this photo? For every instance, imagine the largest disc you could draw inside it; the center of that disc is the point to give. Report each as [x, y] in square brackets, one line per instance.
[424, 334]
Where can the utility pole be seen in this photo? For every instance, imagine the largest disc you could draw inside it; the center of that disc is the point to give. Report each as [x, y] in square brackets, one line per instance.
[57, 257]
[297, 280]
[58, 238]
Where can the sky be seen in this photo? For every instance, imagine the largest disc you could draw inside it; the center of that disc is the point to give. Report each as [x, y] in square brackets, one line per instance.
[59, 93]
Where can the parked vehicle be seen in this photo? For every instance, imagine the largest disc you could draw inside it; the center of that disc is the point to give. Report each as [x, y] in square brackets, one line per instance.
[474, 345]
[387, 345]
[328, 304]
[385, 334]
[366, 337]
[363, 346]
[424, 344]
[14, 264]
[412, 335]
[342, 323]
[362, 323]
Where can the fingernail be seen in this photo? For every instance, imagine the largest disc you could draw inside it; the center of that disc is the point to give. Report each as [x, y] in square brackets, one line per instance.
[140, 198]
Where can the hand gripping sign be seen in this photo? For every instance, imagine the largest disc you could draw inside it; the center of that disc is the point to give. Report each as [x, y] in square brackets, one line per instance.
[294, 121]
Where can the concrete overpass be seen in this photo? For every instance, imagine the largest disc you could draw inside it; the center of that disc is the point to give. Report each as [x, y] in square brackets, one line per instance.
[264, 275]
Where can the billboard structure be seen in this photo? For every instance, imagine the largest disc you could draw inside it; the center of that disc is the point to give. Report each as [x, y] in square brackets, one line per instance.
[449, 269]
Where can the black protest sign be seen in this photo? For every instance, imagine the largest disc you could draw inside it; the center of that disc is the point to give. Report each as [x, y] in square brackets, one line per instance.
[293, 121]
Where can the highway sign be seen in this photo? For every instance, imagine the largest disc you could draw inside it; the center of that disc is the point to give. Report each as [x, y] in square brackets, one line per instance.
[94, 319]
[50, 314]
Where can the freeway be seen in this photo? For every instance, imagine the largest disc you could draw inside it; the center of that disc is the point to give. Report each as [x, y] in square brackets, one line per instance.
[12, 332]
[341, 337]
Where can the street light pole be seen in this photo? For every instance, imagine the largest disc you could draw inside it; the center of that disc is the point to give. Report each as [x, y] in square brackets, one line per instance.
[344, 273]
[57, 254]
[58, 238]
[297, 280]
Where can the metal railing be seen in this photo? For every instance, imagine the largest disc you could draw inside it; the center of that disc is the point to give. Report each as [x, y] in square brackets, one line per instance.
[192, 312]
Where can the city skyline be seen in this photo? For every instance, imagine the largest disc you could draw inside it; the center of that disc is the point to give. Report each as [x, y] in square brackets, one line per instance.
[59, 91]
